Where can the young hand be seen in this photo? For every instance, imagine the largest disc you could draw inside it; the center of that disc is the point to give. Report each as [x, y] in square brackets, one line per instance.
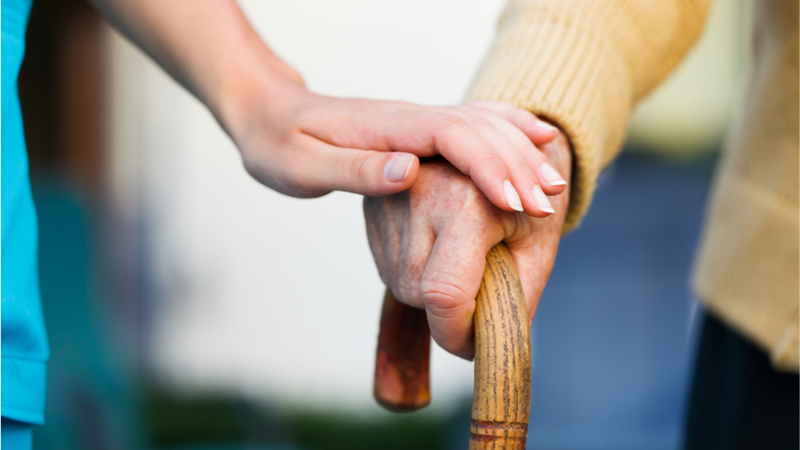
[307, 145]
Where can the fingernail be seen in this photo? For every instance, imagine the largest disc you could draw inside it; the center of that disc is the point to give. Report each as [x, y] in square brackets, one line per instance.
[551, 175]
[511, 196]
[545, 127]
[396, 170]
[541, 200]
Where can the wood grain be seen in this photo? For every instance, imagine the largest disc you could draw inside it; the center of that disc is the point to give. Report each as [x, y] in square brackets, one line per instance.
[501, 398]
[401, 366]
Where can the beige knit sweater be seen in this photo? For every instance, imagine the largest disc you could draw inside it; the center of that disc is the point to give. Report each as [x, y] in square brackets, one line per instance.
[585, 63]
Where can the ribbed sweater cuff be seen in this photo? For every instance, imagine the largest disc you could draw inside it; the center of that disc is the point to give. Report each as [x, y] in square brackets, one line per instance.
[570, 75]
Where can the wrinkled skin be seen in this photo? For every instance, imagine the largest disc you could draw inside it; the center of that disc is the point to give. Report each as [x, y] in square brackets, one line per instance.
[430, 243]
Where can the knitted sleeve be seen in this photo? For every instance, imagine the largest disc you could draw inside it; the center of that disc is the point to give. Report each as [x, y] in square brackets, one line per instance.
[583, 64]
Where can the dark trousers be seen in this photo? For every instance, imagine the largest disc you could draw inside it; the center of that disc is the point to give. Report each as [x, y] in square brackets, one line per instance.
[738, 400]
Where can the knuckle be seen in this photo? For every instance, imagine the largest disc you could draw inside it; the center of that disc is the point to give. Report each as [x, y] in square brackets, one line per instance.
[444, 297]
[446, 120]
[356, 169]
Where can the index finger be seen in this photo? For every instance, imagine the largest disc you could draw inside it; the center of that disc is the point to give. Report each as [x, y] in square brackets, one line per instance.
[451, 281]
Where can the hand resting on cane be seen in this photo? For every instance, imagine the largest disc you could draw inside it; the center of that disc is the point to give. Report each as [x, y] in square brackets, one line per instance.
[430, 245]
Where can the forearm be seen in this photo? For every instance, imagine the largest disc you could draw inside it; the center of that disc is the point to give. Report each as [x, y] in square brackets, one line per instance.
[209, 47]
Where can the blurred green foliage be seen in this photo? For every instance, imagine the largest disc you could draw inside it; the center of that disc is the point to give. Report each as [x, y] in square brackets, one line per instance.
[218, 421]
[328, 431]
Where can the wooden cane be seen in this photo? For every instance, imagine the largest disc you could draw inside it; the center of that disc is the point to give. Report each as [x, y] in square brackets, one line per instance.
[501, 398]
[401, 366]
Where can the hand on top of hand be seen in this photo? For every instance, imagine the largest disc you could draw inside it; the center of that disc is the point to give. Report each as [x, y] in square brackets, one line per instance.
[430, 244]
[306, 145]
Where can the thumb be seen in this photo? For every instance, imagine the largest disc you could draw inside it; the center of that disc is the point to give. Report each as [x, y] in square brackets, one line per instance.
[367, 172]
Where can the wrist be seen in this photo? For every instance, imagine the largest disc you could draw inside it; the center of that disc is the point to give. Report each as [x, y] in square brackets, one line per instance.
[253, 92]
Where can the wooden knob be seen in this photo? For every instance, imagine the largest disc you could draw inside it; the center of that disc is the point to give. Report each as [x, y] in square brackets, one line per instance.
[501, 398]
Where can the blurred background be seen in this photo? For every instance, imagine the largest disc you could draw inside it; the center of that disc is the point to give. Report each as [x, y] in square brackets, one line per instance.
[188, 307]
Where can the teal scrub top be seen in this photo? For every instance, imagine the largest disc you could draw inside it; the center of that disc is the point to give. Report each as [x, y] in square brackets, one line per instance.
[24, 342]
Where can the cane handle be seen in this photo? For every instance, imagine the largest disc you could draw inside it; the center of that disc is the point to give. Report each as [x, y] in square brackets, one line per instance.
[501, 397]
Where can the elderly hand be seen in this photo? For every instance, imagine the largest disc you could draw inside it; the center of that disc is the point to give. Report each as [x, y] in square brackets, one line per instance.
[430, 244]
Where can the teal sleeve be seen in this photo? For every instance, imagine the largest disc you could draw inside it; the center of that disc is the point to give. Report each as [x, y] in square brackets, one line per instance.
[24, 342]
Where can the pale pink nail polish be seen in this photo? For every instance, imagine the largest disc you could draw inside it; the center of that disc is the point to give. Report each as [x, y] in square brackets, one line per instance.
[545, 127]
[541, 200]
[396, 170]
[512, 198]
[551, 175]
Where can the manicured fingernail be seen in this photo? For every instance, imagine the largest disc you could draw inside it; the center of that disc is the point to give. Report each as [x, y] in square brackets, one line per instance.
[541, 200]
[551, 175]
[545, 127]
[396, 170]
[511, 196]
